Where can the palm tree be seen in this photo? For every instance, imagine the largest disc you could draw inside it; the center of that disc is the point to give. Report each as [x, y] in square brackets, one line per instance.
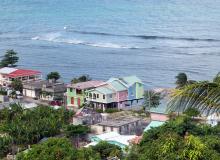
[151, 100]
[204, 95]
[181, 80]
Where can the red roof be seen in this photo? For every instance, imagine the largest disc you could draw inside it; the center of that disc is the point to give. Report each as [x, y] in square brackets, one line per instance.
[23, 72]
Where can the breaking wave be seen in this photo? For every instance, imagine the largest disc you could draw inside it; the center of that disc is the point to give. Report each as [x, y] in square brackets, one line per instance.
[143, 36]
[56, 37]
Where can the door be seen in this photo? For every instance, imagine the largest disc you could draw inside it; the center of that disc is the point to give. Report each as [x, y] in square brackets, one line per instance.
[78, 101]
[72, 100]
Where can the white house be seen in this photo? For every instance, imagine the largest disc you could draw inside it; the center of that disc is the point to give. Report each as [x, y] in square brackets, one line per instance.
[7, 75]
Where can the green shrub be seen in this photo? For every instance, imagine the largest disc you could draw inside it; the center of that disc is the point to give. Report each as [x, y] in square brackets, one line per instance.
[111, 110]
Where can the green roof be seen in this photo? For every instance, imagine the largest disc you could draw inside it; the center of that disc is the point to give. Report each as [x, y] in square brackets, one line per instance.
[104, 90]
[118, 86]
[153, 124]
[130, 80]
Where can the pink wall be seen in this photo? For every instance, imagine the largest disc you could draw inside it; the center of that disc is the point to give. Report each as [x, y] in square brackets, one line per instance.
[122, 96]
[159, 117]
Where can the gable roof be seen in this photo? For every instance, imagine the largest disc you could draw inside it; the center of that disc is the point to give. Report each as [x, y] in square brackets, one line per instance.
[117, 85]
[23, 72]
[14, 72]
[105, 90]
[85, 85]
[130, 80]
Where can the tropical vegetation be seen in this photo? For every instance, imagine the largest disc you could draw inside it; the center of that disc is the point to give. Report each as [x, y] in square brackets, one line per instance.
[29, 126]
[9, 59]
[17, 85]
[151, 100]
[51, 149]
[53, 75]
[82, 78]
[203, 95]
[181, 138]
[62, 149]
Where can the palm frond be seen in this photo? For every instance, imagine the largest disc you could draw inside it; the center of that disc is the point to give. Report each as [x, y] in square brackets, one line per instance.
[204, 96]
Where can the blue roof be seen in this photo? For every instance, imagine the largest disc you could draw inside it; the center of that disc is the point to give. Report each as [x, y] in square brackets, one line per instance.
[153, 124]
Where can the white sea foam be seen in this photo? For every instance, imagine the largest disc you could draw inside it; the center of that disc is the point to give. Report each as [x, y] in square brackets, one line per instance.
[57, 38]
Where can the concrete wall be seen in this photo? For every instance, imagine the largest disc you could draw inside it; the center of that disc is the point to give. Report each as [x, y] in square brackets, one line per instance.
[130, 128]
[29, 93]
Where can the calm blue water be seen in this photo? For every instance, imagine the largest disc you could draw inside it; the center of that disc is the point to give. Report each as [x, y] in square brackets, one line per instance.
[153, 39]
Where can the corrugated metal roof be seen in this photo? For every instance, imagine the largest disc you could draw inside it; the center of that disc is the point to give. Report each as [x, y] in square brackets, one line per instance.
[7, 70]
[130, 80]
[153, 124]
[118, 86]
[85, 85]
[23, 72]
[105, 90]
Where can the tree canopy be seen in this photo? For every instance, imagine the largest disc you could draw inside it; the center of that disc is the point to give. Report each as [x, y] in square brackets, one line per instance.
[53, 75]
[181, 80]
[9, 59]
[180, 138]
[82, 78]
[29, 126]
[17, 85]
[51, 149]
[61, 149]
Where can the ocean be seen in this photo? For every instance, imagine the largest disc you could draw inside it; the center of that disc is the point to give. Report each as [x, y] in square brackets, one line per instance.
[153, 39]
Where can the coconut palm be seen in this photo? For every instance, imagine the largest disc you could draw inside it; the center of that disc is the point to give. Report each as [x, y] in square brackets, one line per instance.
[203, 95]
[151, 100]
[181, 80]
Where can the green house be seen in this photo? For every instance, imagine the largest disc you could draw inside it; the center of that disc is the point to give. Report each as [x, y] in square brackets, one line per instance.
[75, 94]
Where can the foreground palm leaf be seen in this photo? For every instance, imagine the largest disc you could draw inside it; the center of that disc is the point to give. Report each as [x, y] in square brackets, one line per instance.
[204, 96]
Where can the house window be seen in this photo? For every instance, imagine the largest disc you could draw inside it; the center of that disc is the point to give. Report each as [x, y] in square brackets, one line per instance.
[78, 91]
[103, 128]
[71, 90]
[94, 96]
[103, 96]
[90, 95]
[110, 96]
[97, 95]
[112, 129]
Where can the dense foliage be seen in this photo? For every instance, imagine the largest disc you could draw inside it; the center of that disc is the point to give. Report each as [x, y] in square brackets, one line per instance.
[106, 149]
[29, 126]
[181, 80]
[61, 149]
[53, 75]
[17, 85]
[180, 138]
[52, 149]
[76, 133]
[5, 143]
[82, 78]
[9, 59]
